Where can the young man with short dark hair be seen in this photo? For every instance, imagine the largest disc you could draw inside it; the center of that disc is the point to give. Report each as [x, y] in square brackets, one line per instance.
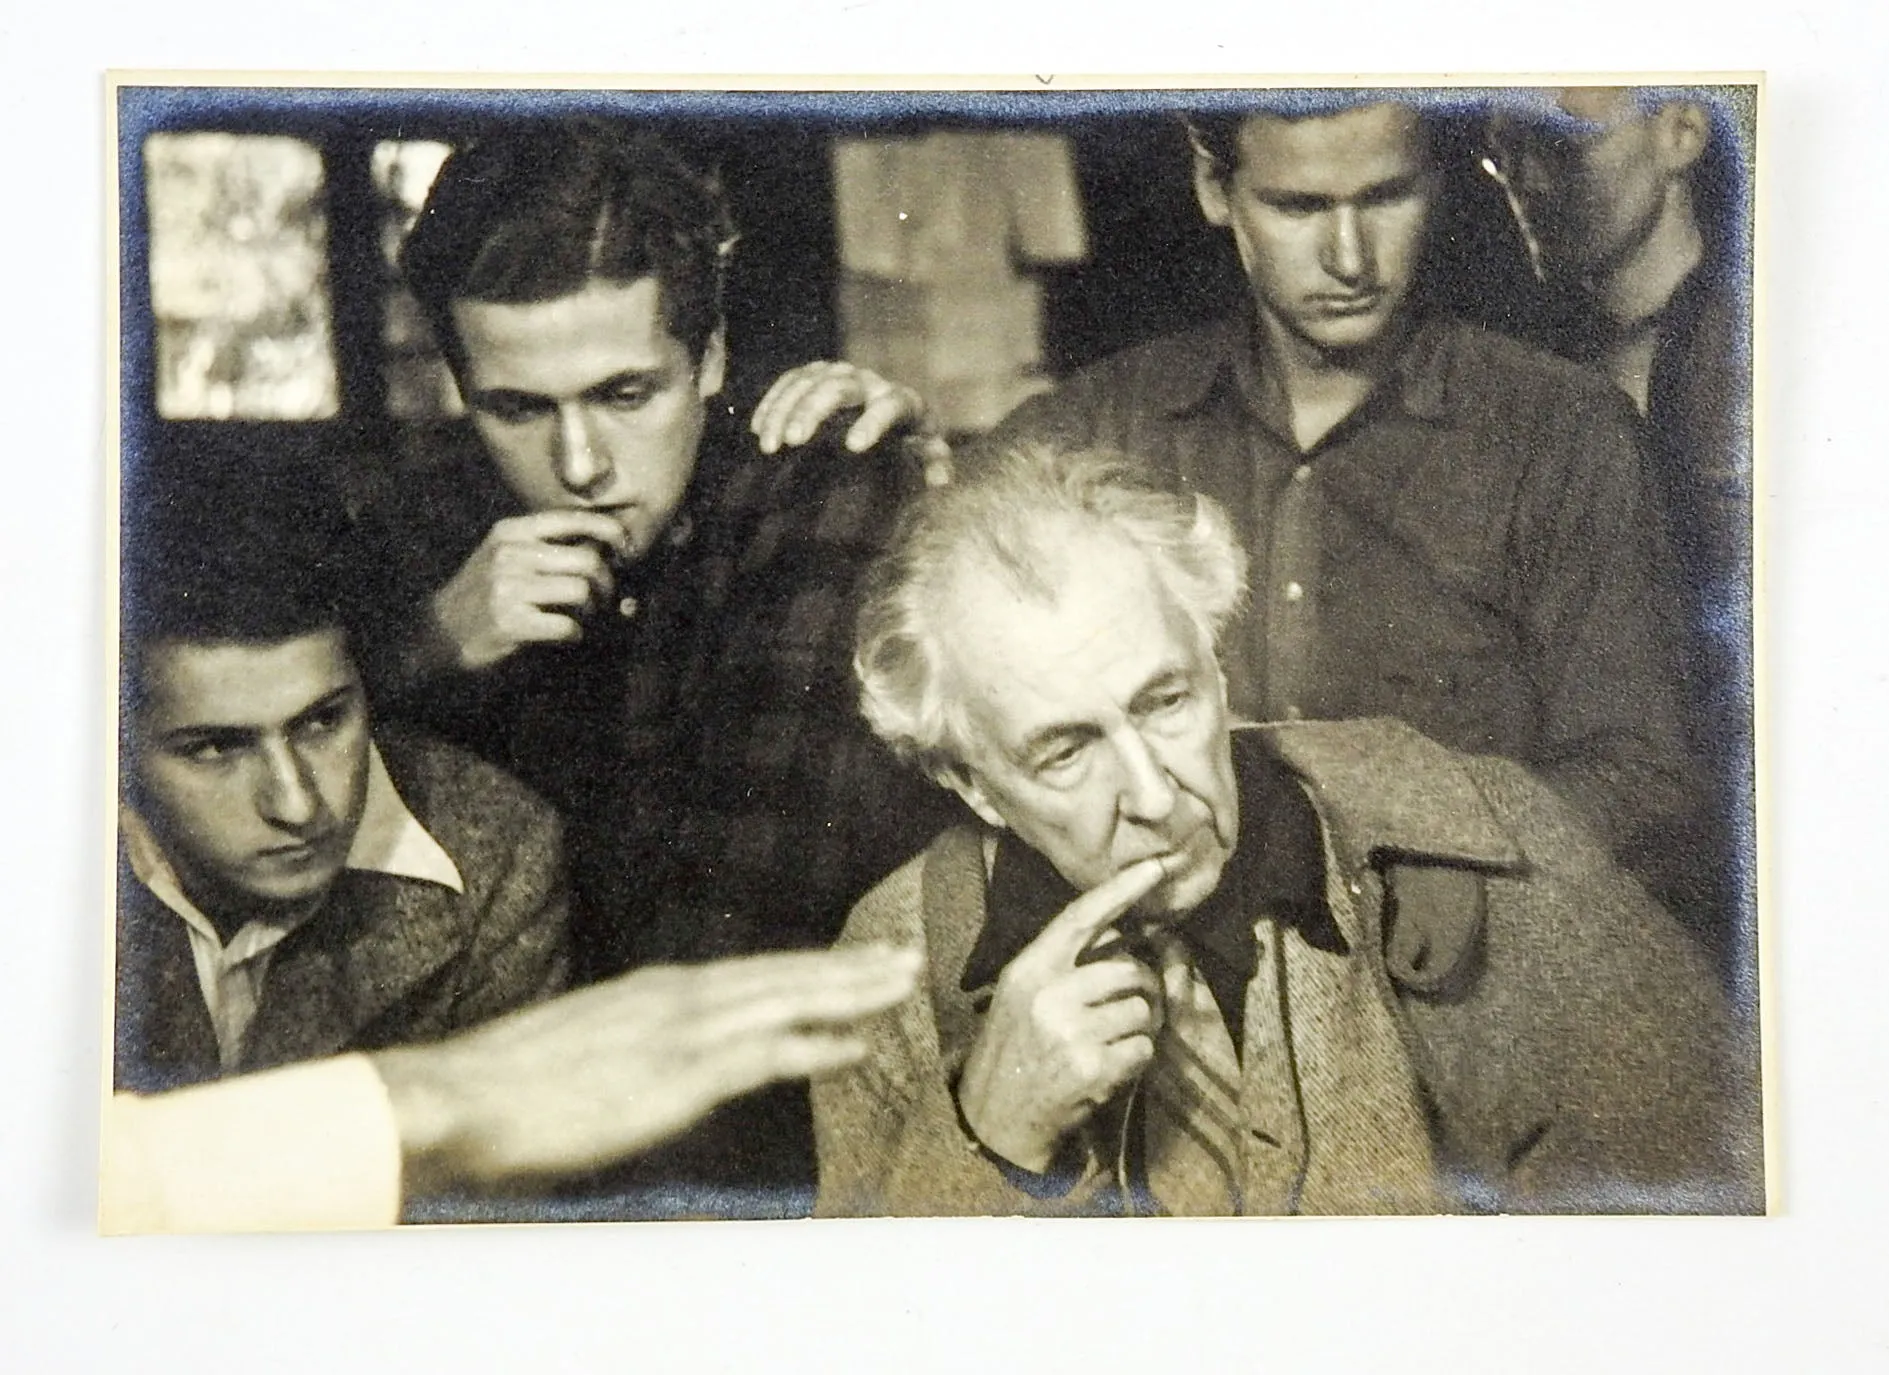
[1444, 525]
[614, 593]
[295, 884]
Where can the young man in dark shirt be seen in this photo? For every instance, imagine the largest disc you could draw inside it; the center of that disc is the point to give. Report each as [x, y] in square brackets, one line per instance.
[1634, 195]
[1444, 525]
[610, 590]
[606, 587]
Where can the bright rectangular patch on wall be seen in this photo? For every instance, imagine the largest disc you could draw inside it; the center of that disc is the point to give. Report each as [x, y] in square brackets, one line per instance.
[239, 278]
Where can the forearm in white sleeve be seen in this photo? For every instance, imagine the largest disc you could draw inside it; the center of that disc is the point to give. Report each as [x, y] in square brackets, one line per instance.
[312, 1146]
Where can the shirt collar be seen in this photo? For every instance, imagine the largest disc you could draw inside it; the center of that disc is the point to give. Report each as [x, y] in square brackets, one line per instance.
[1421, 373]
[1278, 868]
[389, 840]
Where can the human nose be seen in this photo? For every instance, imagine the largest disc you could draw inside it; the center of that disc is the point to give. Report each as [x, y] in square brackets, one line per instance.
[579, 463]
[1147, 789]
[1348, 256]
[286, 794]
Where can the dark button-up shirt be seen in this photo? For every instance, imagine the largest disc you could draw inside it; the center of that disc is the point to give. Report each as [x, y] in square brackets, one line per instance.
[703, 740]
[1476, 550]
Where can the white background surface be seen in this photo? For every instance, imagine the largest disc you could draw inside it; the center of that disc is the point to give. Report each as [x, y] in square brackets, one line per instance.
[1802, 1291]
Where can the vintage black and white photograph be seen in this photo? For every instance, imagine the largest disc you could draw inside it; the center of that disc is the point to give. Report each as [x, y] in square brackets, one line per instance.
[760, 654]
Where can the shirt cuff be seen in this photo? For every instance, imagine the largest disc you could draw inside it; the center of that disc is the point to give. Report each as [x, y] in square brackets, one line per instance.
[310, 1147]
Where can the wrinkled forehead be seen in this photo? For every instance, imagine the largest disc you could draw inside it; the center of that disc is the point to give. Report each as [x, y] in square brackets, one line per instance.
[1598, 107]
[1365, 143]
[239, 684]
[1076, 642]
[1577, 114]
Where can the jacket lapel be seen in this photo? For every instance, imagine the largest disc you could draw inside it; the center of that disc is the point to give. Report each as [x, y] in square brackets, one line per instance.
[162, 1036]
[1386, 791]
[382, 940]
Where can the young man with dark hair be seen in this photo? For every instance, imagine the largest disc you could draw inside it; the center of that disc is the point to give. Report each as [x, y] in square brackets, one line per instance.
[1444, 525]
[615, 594]
[293, 883]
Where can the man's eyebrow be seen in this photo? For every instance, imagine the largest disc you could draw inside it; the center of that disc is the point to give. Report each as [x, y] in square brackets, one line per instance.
[341, 696]
[656, 376]
[1165, 681]
[1390, 188]
[1039, 740]
[1304, 200]
[629, 377]
[180, 736]
[487, 396]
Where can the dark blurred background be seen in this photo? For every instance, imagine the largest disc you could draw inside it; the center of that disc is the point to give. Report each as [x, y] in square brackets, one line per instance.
[263, 317]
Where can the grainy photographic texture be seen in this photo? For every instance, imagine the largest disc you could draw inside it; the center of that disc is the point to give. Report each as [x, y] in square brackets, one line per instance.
[1068, 652]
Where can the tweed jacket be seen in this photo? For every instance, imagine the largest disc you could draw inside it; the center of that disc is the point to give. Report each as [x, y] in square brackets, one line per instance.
[388, 960]
[1569, 1046]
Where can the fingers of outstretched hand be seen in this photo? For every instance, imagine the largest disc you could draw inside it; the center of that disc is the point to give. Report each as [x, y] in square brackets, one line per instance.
[834, 1001]
[805, 992]
[759, 1059]
[697, 1007]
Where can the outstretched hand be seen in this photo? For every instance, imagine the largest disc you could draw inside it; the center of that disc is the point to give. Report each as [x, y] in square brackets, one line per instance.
[612, 1070]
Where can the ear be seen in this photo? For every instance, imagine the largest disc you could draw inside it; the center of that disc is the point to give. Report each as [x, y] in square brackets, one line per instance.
[1210, 187]
[1682, 130]
[963, 782]
[713, 370]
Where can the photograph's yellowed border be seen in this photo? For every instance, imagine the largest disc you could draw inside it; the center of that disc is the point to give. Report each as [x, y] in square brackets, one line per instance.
[1762, 140]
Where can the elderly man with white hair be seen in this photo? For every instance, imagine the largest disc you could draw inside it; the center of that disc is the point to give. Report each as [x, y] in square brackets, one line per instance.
[1180, 966]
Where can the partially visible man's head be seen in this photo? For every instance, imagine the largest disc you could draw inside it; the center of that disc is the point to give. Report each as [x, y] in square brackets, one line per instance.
[245, 729]
[1599, 168]
[1041, 638]
[573, 273]
[1328, 208]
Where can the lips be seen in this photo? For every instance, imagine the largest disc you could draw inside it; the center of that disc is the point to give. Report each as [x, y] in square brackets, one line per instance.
[300, 852]
[1349, 305]
[1177, 854]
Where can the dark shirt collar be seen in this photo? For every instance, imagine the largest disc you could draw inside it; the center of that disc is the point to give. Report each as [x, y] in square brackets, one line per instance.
[1277, 868]
[1228, 355]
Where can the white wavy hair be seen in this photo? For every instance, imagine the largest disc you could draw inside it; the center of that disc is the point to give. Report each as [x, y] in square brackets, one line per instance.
[1015, 517]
